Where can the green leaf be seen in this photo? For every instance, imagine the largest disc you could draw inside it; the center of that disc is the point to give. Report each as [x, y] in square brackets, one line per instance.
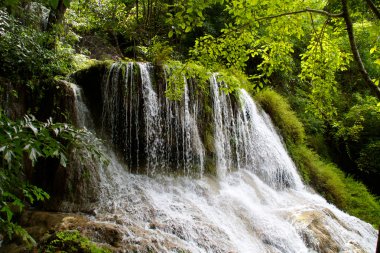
[170, 34]
[54, 4]
[67, 3]
[63, 160]
[372, 50]
[188, 29]
[8, 211]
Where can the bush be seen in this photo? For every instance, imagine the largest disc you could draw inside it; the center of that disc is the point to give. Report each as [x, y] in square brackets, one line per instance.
[25, 53]
[25, 142]
[369, 160]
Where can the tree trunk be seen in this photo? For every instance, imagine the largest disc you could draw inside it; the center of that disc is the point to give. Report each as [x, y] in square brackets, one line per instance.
[355, 51]
[56, 15]
[372, 6]
[137, 11]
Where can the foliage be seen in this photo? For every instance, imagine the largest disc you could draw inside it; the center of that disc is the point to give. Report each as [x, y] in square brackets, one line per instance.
[358, 133]
[71, 241]
[186, 15]
[159, 51]
[369, 158]
[248, 35]
[368, 37]
[29, 140]
[178, 73]
[320, 63]
[124, 25]
[362, 118]
[360, 121]
[24, 55]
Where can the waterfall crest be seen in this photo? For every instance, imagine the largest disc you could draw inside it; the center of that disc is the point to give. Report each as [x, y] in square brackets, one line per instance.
[255, 202]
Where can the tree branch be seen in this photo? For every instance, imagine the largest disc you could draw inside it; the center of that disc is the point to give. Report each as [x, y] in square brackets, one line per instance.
[373, 7]
[355, 51]
[322, 12]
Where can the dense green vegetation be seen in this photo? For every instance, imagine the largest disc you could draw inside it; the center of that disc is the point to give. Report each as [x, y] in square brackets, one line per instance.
[324, 56]
[32, 140]
[70, 241]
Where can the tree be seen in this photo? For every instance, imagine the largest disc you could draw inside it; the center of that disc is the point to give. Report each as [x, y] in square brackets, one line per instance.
[354, 48]
[271, 31]
[57, 12]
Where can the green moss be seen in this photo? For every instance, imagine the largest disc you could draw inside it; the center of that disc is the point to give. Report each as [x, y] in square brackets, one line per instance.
[282, 115]
[325, 177]
[70, 241]
[210, 167]
[209, 141]
[345, 192]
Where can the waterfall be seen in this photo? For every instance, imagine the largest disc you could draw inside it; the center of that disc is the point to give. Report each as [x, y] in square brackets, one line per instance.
[153, 133]
[253, 137]
[256, 202]
[82, 114]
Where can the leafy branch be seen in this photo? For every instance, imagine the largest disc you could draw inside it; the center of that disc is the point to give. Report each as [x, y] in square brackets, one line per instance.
[322, 12]
[30, 139]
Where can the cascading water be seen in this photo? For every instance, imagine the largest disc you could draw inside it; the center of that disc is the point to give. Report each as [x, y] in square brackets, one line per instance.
[152, 131]
[257, 202]
[83, 117]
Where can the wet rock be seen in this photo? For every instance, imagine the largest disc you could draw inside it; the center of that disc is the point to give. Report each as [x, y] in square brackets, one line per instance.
[313, 228]
[43, 226]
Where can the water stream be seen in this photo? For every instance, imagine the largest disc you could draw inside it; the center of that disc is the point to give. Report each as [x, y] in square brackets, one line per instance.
[256, 201]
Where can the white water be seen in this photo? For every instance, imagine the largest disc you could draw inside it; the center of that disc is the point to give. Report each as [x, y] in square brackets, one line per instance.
[83, 117]
[152, 132]
[256, 204]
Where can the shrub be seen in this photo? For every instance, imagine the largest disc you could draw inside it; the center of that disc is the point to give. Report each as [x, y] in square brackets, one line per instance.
[25, 54]
[369, 160]
[27, 141]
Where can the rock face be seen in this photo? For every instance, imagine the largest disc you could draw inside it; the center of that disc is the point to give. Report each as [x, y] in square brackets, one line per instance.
[13, 99]
[43, 225]
[151, 133]
[72, 188]
[115, 237]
